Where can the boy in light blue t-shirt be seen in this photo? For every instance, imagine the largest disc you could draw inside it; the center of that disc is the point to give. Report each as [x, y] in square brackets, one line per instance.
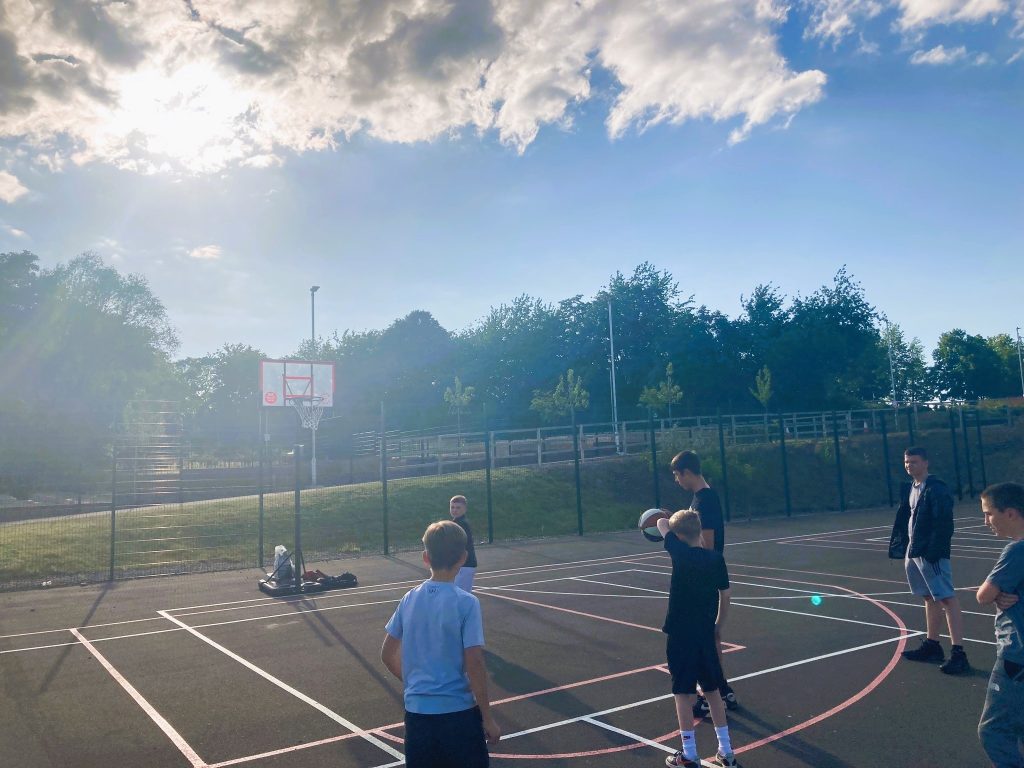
[1001, 728]
[434, 645]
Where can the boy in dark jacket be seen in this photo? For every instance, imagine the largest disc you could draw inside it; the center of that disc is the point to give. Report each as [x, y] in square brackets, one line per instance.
[921, 537]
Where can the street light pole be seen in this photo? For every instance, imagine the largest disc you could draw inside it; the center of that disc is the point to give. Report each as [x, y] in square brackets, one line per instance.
[1020, 362]
[892, 372]
[312, 392]
[615, 405]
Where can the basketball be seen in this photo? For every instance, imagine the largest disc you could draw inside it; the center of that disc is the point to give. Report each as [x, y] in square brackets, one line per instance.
[649, 524]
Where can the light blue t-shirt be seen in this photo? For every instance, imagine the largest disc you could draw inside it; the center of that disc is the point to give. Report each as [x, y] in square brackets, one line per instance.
[436, 622]
[1008, 575]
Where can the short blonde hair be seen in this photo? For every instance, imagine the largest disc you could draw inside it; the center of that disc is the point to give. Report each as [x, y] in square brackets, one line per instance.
[686, 524]
[444, 543]
[460, 498]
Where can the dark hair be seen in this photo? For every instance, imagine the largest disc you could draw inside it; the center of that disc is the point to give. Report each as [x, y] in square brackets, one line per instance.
[444, 542]
[687, 460]
[916, 450]
[1005, 496]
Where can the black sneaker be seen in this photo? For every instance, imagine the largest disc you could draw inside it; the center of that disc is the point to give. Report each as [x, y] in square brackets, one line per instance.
[701, 708]
[729, 698]
[678, 761]
[725, 761]
[957, 664]
[929, 650]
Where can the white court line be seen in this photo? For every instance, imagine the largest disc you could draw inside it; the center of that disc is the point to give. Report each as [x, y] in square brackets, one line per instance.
[628, 734]
[663, 697]
[865, 549]
[176, 738]
[287, 688]
[732, 565]
[559, 578]
[568, 594]
[623, 586]
[68, 629]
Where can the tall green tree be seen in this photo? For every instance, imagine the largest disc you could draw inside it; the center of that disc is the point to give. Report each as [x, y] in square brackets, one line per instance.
[762, 389]
[909, 371]
[967, 368]
[660, 399]
[567, 398]
[458, 398]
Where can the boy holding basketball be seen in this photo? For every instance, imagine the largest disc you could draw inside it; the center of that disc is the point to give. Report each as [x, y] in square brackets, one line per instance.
[464, 578]
[1001, 728]
[687, 473]
[434, 645]
[697, 606]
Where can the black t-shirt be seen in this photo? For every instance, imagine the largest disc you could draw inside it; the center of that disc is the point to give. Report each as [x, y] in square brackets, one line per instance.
[697, 576]
[706, 504]
[470, 552]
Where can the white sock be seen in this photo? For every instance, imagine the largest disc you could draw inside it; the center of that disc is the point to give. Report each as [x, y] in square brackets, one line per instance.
[724, 744]
[689, 745]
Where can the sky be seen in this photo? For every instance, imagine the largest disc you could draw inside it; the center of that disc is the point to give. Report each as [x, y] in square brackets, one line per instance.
[451, 155]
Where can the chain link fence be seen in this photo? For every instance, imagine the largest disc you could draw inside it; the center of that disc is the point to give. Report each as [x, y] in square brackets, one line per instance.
[164, 512]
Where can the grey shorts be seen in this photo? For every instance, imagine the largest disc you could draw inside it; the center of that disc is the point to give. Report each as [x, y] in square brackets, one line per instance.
[926, 579]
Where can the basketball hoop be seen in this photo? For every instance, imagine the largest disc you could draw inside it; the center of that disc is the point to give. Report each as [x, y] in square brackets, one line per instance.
[310, 410]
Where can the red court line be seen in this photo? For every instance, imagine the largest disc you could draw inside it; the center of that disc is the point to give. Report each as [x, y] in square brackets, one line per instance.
[879, 678]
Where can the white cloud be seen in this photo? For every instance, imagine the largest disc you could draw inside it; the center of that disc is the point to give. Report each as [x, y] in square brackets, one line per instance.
[14, 231]
[201, 85]
[10, 188]
[939, 55]
[920, 13]
[206, 253]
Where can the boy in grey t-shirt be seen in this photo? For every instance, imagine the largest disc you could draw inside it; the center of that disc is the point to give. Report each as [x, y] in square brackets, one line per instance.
[1001, 728]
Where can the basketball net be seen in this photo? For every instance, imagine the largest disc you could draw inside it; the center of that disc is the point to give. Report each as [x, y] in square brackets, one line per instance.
[310, 410]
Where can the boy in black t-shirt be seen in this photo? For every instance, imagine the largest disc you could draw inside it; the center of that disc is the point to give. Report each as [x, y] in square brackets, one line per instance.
[457, 509]
[697, 606]
[687, 474]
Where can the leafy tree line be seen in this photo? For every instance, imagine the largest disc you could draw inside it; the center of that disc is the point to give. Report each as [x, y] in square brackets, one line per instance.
[81, 340]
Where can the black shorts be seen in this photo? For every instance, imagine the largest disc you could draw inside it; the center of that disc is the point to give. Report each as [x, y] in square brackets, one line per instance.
[692, 661]
[451, 740]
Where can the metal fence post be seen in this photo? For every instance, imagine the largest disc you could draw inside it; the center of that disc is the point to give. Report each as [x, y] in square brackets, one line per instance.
[384, 479]
[885, 456]
[576, 469]
[725, 472]
[967, 453]
[297, 451]
[654, 462]
[488, 443]
[981, 447]
[113, 514]
[910, 427]
[785, 464]
[259, 526]
[956, 455]
[839, 463]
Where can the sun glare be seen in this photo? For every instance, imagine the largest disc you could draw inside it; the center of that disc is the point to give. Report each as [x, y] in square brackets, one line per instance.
[189, 118]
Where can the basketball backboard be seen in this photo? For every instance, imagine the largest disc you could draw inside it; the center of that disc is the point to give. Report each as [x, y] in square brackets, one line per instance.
[283, 382]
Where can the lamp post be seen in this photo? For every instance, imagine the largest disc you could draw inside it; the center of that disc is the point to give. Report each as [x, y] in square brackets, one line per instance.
[312, 393]
[892, 371]
[615, 405]
[1020, 362]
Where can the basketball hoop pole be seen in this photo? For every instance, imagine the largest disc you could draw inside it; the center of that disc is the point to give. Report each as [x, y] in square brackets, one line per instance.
[312, 337]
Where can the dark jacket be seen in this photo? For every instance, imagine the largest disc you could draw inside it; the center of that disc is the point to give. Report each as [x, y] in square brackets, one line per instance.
[926, 530]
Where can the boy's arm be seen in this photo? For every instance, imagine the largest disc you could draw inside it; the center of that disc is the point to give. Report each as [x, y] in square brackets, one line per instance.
[723, 608]
[707, 538]
[476, 671]
[987, 593]
[391, 655]
[663, 528]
